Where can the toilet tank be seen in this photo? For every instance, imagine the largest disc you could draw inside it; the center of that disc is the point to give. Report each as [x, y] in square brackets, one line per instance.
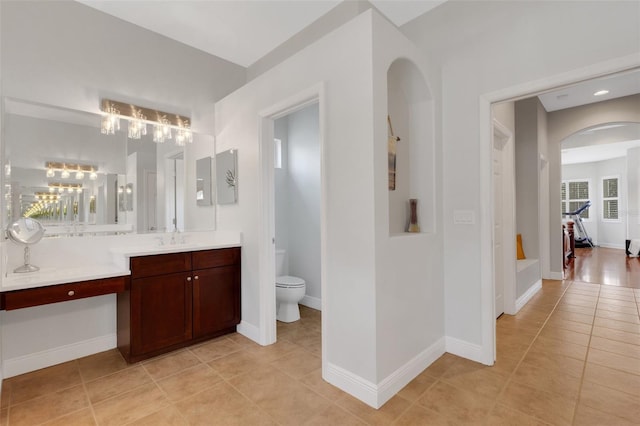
[280, 262]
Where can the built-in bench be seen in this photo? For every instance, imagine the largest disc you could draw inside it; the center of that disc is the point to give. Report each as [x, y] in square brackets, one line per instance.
[528, 280]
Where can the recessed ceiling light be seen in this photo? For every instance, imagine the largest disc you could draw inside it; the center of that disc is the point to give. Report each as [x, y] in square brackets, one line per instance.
[601, 92]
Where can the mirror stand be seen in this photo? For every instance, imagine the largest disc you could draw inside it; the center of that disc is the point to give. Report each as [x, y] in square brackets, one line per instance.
[27, 267]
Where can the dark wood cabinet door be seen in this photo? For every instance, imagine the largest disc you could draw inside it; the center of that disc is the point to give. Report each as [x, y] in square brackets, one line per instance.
[216, 299]
[161, 312]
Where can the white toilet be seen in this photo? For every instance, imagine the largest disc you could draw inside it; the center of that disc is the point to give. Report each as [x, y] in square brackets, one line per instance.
[289, 291]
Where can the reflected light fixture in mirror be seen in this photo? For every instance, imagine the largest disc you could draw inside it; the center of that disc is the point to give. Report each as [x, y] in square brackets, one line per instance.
[166, 126]
[66, 169]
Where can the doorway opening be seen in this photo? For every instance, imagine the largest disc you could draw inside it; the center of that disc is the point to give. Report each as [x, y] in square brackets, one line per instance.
[294, 214]
[545, 170]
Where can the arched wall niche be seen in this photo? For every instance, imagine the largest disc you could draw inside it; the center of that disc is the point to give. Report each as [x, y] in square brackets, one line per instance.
[410, 109]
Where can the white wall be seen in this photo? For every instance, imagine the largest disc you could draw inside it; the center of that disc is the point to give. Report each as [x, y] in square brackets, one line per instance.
[67, 54]
[409, 291]
[341, 63]
[382, 296]
[478, 49]
[633, 191]
[298, 198]
[603, 233]
[527, 176]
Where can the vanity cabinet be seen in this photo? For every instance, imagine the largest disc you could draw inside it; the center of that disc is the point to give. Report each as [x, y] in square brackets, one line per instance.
[178, 299]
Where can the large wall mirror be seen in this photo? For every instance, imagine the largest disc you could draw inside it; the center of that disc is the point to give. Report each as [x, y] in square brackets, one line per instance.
[60, 169]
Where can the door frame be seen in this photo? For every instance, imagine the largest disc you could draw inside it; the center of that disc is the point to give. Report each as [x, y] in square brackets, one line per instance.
[520, 91]
[267, 255]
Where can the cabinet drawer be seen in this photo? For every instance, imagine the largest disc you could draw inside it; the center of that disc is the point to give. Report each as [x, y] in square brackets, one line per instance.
[63, 292]
[148, 266]
[213, 258]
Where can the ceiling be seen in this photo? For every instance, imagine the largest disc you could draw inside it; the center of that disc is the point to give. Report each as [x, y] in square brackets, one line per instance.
[618, 85]
[241, 31]
[603, 142]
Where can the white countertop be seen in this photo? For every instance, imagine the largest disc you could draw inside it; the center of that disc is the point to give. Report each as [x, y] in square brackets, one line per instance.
[149, 250]
[111, 260]
[62, 275]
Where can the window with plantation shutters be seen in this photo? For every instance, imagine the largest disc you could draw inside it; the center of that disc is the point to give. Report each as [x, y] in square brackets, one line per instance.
[574, 194]
[610, 198]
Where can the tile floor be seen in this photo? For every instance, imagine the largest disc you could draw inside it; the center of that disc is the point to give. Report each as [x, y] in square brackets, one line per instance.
[570, 356]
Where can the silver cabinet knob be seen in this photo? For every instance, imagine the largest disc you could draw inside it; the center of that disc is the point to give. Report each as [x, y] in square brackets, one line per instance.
[196, 277]
[71, 293]
[188, 278]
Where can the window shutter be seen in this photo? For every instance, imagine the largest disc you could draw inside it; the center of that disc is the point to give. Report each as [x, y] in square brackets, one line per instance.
[610, 188]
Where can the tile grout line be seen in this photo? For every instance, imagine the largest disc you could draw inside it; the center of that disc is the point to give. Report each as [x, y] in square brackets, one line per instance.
[509, 379]
[586, 358]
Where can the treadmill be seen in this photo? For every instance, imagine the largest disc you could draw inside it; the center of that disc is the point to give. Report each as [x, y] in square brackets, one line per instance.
[581, 237]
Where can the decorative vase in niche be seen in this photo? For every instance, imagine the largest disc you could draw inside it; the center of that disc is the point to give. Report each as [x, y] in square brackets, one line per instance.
[413, 215]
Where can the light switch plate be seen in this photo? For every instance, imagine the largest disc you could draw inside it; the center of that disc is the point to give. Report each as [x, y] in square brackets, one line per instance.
[464, 217]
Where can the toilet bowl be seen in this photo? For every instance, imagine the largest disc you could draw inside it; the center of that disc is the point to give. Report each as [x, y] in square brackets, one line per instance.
[289, 291]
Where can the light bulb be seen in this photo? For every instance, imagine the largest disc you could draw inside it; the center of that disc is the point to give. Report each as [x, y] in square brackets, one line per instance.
[65, 174]
[79, 175]
[61, 190]
[79, 190]
[51, 189]
[93, 175]
[50, 173]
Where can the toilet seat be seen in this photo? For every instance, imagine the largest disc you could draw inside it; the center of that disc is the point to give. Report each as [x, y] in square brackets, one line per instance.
[286, 281]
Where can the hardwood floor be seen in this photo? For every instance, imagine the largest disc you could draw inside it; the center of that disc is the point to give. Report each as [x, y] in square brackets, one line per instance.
[605, 266]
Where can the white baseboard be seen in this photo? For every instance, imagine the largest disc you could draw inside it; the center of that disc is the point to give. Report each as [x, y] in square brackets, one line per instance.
[464, 349]
[393, 383]
[312, 302]
[552, 275]
[522, 300]
[376, 395]
[613, 246]
[249, 331]
[352, 384]
[35, 361]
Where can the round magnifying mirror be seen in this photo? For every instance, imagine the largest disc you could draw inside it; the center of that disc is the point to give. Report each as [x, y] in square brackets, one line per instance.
[26, 231]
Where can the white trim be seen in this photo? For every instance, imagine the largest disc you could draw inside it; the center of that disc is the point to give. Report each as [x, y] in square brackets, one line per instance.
[35, 361]
[306, 97]
[486, 185]
[487, 288]
[394, 382]
[249, 331]
[312, 302]
[376, 395]
[554, 276]
[522, 300]
[465, 349]
[356, 386]
[613, 246]
[506, 143]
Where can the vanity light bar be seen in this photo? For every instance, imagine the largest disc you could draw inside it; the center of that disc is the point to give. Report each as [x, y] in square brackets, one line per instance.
[138, 117]
[46, 196]
[67, 186]
[72, 167]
